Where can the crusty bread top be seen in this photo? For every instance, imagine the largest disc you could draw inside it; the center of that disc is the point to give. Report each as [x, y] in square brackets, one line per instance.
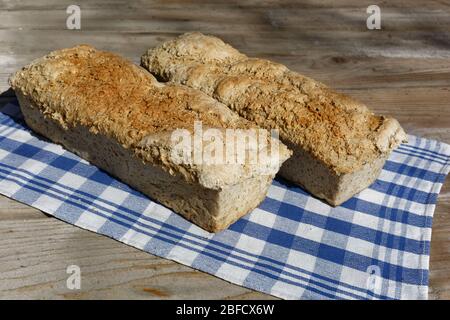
[102, 90]
[336, 129]
[113, 97]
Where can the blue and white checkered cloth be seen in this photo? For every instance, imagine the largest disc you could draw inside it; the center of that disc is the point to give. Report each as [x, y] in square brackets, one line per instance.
[374, 246]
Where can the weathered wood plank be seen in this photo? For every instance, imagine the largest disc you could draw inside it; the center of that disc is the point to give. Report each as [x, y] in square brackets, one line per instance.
[36, 253]
[259, 19]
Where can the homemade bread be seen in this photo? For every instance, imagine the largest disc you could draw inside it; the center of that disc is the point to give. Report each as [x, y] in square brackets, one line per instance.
[117, 116]
[339, 145]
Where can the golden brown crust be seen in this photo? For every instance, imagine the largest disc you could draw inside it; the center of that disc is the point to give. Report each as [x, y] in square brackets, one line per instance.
[107, 93]
[82, 86]
[337, 130]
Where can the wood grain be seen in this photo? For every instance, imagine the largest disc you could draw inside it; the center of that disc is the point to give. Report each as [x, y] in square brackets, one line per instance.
[402, 70]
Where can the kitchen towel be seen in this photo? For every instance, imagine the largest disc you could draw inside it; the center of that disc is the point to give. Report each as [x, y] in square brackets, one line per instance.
[294, 246]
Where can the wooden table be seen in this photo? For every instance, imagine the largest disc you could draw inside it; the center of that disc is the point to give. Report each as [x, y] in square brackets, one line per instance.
[402, 70]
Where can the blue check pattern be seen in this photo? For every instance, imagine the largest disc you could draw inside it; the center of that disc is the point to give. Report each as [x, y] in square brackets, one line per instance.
[374, 246]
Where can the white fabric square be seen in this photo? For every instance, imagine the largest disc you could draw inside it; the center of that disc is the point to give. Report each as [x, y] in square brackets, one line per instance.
[263, 217]
[72, 180]
[238, 274]
[134, 238]
[45, 202]
[361, 247]
[316, 205]
[33, 166]
[301, 260]
[90, 221]
[309, 232]
[178, 251]
[250, 244]
[276, 193]
[54, 148]
[286, 290]
[3, 154]
[114, 195]
[9, 188]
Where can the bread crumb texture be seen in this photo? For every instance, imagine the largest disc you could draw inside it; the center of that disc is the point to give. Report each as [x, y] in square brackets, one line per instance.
[337, 130]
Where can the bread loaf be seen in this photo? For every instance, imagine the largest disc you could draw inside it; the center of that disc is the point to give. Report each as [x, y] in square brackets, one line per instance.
[339, 145]
[118, 117]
